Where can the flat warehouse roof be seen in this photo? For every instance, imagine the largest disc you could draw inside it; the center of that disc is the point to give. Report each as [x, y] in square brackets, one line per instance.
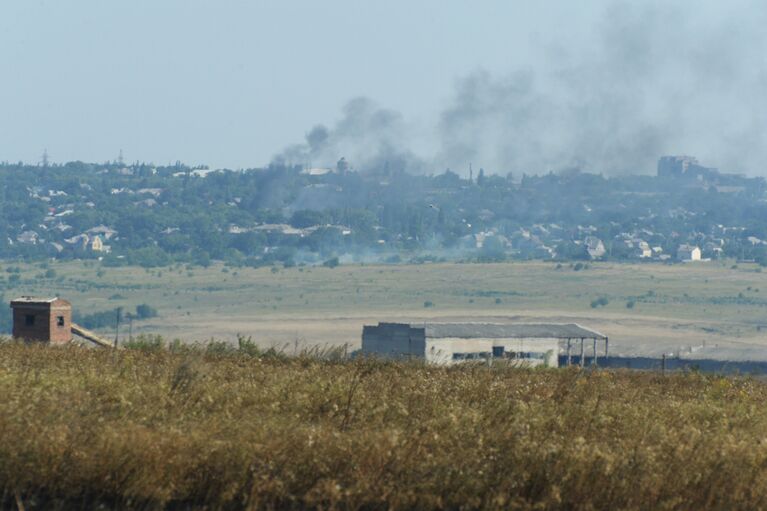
[500, 330]
[33, 299]
[37, 302]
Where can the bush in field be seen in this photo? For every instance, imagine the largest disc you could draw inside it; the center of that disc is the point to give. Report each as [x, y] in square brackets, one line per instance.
[102, 319]
[144, 311]
[331, 263]
[108, 318]
[146, 342]
[214, 347]
[599, 302]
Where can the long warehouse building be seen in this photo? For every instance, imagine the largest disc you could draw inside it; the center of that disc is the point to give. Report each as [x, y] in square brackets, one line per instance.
[453, 343]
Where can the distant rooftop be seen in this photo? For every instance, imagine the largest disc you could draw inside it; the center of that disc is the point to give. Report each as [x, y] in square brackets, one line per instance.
[510, 330]
[33, 300]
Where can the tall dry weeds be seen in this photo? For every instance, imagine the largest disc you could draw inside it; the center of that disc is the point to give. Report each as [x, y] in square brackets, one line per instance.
[152, 430]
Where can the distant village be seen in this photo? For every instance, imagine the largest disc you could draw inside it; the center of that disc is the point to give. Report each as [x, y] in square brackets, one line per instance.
[147, 214]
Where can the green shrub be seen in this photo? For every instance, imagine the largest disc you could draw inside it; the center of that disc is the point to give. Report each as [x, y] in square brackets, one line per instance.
[144, 311]
[214, 347]
[331, 263]
[246, 346]
[146, 342]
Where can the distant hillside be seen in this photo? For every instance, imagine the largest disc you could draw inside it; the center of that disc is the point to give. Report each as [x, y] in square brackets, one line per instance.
[154, 215]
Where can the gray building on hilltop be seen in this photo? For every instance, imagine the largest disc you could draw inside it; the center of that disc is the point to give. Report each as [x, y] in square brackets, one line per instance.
[683, 166]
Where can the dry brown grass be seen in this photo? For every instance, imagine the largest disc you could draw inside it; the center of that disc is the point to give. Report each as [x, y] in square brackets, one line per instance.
[154, 430]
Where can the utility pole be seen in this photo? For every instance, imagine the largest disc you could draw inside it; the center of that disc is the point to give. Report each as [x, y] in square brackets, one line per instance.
[118, 313]
[594, 362]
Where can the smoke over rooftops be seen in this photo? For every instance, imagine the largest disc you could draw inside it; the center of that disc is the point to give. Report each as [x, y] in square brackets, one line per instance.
[656, 79]
[370, 137]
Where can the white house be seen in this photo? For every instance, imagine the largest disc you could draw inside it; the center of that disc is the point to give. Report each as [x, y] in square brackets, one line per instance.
[642, 249]
[101, 230]
[594, 247]
[28, 237]
[688, 253]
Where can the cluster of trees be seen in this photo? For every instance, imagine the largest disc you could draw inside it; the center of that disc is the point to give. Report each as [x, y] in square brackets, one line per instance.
[179, 214]
[110, 318]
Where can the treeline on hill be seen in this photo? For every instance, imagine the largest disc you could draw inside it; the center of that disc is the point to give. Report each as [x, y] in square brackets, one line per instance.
[155, 215]
[110, 318]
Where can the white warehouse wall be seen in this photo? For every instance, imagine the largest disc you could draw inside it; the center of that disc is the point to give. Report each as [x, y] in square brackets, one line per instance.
[440, 351]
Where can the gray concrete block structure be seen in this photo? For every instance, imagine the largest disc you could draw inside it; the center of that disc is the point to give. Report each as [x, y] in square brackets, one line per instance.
[454, 343]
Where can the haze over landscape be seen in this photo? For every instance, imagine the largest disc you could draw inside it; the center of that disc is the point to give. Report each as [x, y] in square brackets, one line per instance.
[261, 254]
[604, 86]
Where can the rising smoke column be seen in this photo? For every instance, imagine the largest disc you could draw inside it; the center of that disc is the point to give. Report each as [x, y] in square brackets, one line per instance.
[647, 79]
[370, 137]
[659, 79]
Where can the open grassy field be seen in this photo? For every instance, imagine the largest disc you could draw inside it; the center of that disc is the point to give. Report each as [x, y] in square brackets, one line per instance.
[103, 429]
[651, 308]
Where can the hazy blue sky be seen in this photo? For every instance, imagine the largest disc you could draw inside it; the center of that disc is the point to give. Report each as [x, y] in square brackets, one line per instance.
[231, 83]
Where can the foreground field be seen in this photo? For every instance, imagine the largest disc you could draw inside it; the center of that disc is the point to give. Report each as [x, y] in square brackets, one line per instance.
[153, 430]
[648, 309]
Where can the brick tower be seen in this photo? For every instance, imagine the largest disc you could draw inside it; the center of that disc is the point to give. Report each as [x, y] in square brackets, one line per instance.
[42, 319]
